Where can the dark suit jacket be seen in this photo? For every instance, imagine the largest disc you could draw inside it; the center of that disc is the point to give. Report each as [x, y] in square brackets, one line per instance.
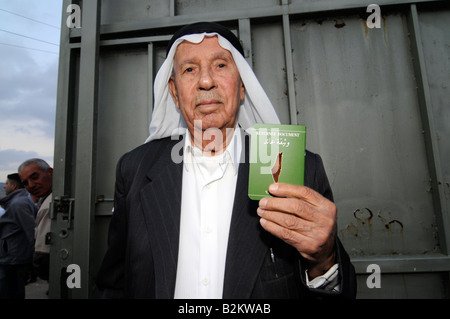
[141, 259]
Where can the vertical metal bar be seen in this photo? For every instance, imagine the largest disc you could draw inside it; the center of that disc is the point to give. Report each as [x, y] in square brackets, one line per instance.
[84, 209]
[172, 8]
[62, 104]
[60, 161]
[431, 143]
[289, 65]
[246, 39]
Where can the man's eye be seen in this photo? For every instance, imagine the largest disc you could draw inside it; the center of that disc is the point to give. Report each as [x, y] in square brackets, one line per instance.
[221, 65]
[188, 70]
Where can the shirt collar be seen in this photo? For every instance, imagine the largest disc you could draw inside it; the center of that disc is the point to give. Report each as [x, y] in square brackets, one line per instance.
[232, 152]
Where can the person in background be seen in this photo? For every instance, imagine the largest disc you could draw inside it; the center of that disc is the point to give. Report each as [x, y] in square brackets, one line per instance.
[16, 238]
[37, 177]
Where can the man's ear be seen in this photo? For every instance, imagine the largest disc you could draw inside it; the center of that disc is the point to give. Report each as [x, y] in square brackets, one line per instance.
[173, 91]
[242, 91]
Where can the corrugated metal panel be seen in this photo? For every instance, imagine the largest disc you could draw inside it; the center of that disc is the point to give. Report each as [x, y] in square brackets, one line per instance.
[358, 98]
[375, 102]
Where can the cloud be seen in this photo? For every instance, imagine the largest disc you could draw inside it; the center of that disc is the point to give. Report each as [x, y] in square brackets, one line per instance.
[13, 158]
[27, 93]
[10, 160]
[28, 83]
[27, 108]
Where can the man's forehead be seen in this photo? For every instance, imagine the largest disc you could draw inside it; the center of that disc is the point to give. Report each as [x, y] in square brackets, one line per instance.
[30, 169]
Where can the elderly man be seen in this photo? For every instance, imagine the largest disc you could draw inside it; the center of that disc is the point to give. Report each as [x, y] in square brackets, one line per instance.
[16, 238]
[37, 177]
[187, 229]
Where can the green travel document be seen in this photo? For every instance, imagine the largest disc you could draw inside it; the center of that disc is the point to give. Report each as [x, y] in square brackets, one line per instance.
[277, 155]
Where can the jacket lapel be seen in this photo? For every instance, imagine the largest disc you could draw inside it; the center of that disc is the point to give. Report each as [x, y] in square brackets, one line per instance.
[161, 203]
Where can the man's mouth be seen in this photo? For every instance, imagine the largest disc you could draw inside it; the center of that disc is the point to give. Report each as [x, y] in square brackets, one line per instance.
[207, 103]
[35, 191]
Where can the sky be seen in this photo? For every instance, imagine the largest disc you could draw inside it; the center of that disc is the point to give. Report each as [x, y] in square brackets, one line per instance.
[29, 54]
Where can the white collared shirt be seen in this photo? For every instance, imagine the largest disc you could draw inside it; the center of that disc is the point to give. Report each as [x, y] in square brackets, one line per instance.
[209, 184]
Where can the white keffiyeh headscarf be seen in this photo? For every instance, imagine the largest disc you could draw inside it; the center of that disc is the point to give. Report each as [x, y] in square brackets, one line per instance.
[167, 120]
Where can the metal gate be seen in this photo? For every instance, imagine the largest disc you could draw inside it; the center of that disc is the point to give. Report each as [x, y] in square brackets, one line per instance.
[375, 100]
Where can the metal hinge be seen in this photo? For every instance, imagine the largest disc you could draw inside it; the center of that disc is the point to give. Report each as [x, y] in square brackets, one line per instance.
[63, 205]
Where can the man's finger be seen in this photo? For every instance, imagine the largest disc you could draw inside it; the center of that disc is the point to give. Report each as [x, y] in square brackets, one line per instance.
[293, 206]
[297, 191]
[305, 245]
[288, 221]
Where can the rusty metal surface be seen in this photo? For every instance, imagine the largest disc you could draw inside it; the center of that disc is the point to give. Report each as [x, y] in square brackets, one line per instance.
[358, 99]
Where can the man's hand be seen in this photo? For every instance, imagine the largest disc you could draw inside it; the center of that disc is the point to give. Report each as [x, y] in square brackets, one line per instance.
[305, 220]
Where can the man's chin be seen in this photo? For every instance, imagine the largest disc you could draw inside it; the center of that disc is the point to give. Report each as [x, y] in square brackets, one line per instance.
[213, 122]
[37, 194]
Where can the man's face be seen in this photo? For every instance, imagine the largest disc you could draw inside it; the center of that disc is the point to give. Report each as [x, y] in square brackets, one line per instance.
[9, 187]
[36, 181]
[206, 85]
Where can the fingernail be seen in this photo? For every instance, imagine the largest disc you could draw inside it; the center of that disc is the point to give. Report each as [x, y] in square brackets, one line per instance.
[260, 212]
[273, 187]
[263, 202]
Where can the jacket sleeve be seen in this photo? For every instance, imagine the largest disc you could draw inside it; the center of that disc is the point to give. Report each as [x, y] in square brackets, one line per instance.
[111, 276]
[317, 180]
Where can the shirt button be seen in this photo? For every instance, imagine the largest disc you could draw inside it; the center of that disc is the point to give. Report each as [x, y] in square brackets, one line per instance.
[208, 230]
[205, 281]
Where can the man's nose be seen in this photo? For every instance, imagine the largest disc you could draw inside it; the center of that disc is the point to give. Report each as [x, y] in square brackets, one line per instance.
[206, 81]
[30, 184]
